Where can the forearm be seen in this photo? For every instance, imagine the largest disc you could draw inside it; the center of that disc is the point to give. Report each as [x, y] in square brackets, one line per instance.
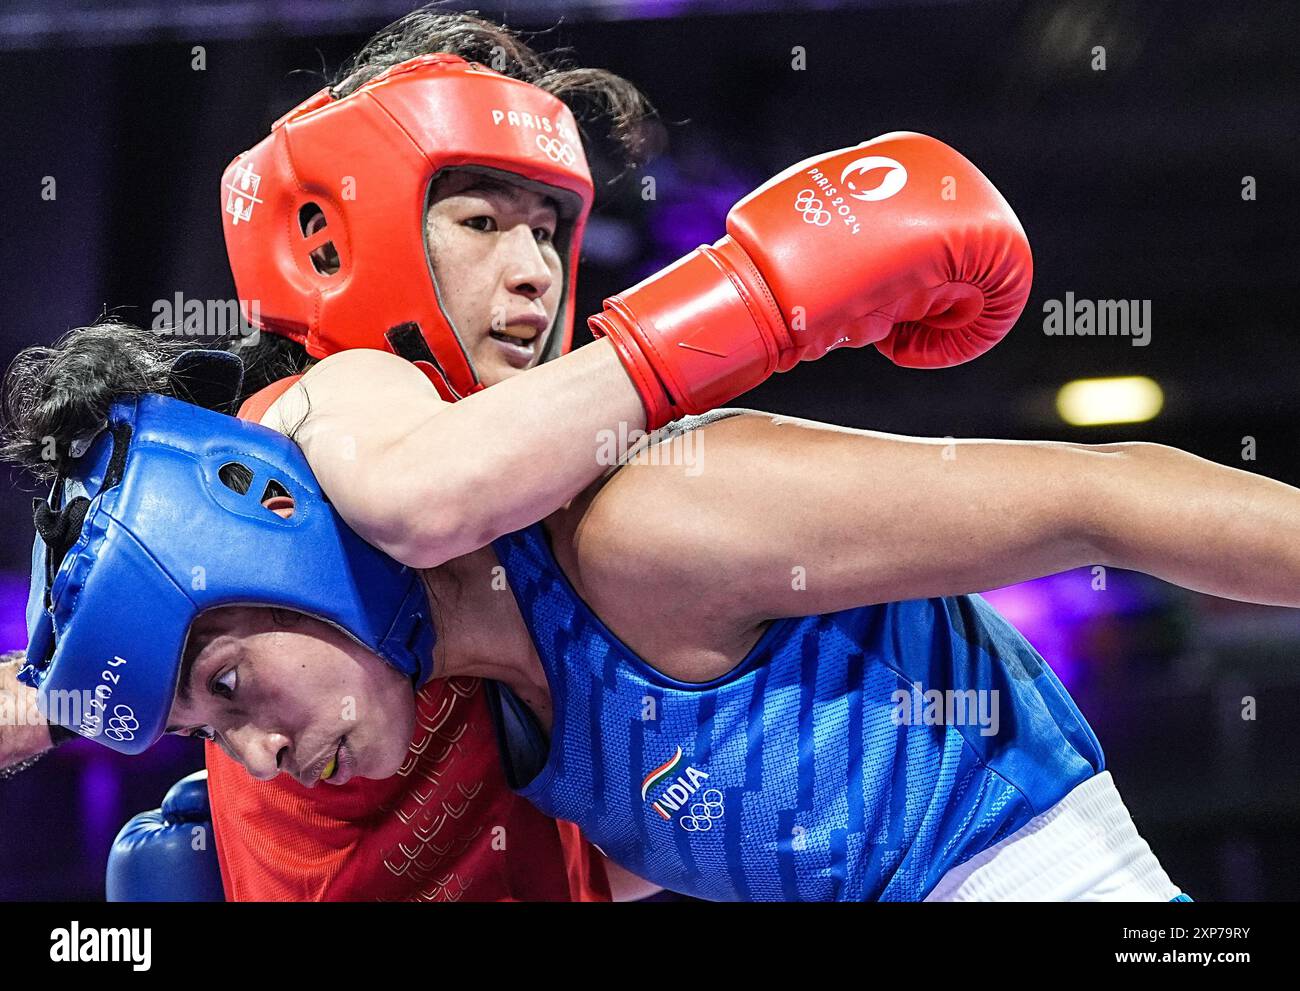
[23, 733]
[1197, 524]
[514, 453]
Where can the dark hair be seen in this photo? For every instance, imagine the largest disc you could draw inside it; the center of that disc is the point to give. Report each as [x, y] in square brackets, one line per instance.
[56, 395]
[596, 96]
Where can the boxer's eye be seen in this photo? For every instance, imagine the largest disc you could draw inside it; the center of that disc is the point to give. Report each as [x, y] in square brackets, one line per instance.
[485, 224]
[226, 684]
[543, 235]
[203, 733]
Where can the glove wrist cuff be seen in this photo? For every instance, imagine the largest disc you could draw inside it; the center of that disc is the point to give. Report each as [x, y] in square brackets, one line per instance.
[697, 334]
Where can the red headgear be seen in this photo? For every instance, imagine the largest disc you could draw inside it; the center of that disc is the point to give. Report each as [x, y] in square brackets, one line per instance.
[364, 165]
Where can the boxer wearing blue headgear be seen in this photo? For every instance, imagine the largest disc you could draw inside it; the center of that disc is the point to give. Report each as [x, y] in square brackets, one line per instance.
[771, 769]
[716, 721]
[174, 510]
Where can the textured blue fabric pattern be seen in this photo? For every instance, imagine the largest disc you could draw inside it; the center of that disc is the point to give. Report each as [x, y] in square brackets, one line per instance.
[811, 770]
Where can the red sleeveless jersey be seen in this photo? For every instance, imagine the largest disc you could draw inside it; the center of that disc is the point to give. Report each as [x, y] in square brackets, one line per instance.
[446, 827]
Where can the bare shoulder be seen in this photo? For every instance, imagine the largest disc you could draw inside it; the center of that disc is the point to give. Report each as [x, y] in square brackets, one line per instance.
[349, 382]
[383, 366]
[635, 513]
[644, 546]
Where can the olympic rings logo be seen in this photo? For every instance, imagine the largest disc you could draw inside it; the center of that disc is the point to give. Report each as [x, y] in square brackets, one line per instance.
[122, 725]
[703, 813]
[555, 149]
[813, 210]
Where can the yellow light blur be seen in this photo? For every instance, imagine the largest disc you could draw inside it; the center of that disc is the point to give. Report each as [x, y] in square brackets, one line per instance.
[1126, 399]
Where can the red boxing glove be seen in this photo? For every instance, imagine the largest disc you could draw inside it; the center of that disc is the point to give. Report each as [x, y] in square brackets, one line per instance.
[898, 242]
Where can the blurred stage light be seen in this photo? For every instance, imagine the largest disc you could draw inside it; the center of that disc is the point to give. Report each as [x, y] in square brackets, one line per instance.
[1125, 399]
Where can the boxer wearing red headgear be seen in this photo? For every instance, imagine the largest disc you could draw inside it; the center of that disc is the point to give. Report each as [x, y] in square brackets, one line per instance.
[322, 216]
[559, 410]
[331, 270]
[312, 235]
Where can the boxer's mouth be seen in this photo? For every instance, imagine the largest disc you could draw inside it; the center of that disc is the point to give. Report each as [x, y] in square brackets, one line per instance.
[518, 341]
[340, 765]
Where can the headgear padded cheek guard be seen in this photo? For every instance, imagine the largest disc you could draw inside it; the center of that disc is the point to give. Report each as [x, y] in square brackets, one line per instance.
[152, 527]
[364, 164]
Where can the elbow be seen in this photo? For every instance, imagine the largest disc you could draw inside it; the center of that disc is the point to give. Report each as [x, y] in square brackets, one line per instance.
[424, 541]
[423, 529]
[1088, 525]
[1122, 482]
[420, 547]
[425, 512]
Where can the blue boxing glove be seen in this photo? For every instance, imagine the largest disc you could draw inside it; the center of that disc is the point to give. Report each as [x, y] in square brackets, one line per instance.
[168, 854]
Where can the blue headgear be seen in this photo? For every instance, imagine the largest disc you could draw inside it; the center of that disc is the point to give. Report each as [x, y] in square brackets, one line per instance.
[152, 526]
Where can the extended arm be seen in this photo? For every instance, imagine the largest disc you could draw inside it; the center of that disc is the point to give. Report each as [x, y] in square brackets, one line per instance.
[930, 281]
[1198, 524]
[797, 518]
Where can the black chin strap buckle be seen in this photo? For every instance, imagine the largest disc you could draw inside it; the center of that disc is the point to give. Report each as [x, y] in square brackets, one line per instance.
[407, 341]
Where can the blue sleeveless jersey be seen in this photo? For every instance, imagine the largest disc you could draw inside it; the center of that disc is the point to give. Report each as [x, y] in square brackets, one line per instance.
[829, 765]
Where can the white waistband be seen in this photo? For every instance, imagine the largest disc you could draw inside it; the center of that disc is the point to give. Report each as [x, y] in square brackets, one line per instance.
[1085, 848]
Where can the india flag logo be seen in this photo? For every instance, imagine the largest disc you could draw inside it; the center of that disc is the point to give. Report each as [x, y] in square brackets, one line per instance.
[678, 790]
[664, 770]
